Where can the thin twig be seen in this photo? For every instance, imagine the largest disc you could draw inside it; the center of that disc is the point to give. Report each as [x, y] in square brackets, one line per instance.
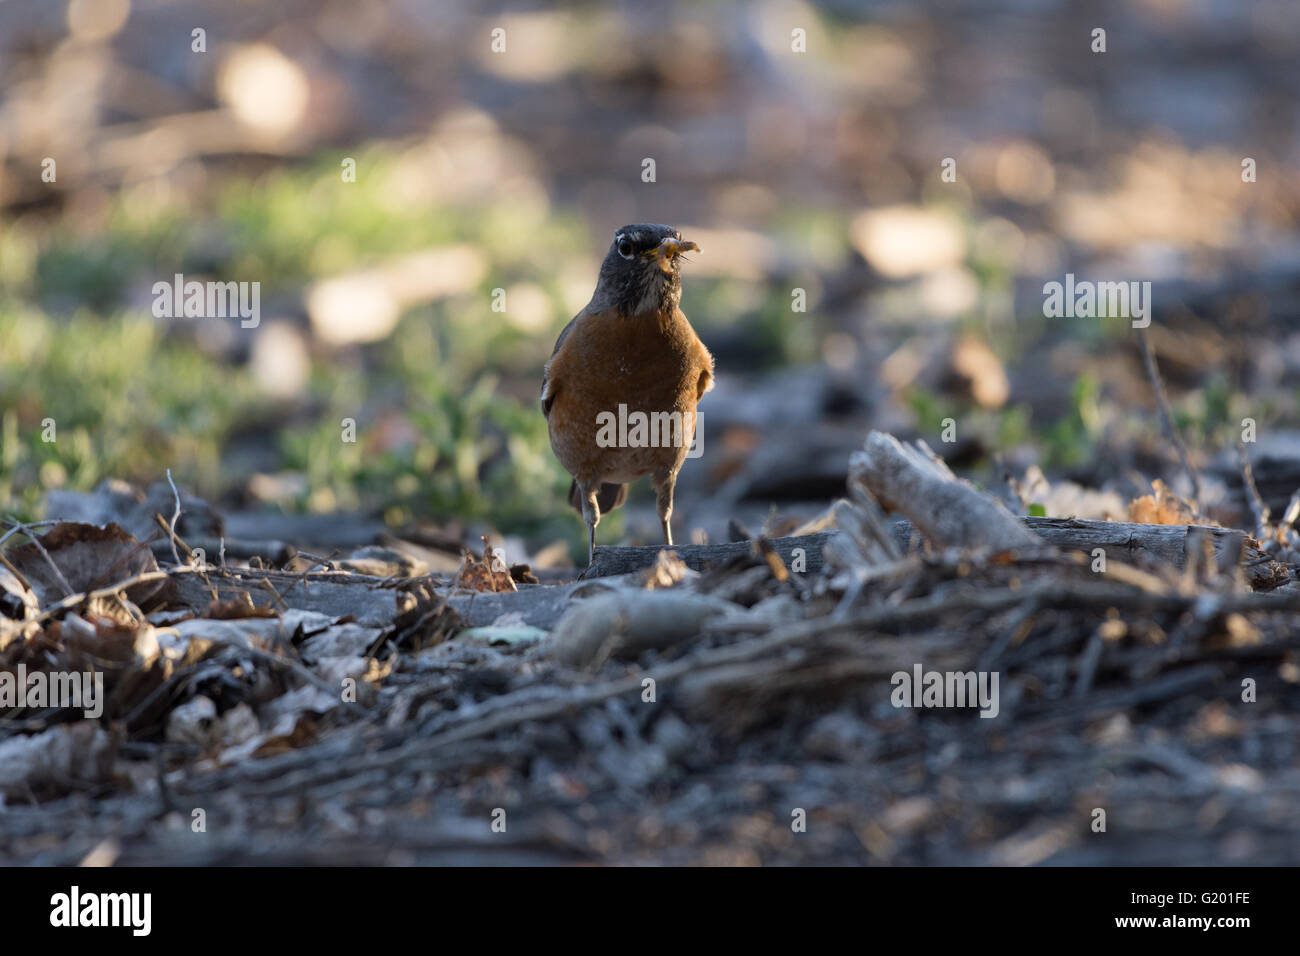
[319, 562]
[189, 552]
[1258, 509]
[176, 516]
[326, 563]
[175, 538]
[1167, 415]
[268, 586]
[19, 526]
[16, 573]
[73, 600]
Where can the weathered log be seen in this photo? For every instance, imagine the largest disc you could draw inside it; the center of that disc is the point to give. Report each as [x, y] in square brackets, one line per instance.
[236, 549]
[626, 560]
[374, 605]
[1121, 540]
[911, 480]
[1126, 540]
[371, 601]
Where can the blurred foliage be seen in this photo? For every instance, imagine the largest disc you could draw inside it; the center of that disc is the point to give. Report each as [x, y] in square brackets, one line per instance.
[127, 401]
[818, 172]
[132, 395]
[122, 398]
[1071, 441]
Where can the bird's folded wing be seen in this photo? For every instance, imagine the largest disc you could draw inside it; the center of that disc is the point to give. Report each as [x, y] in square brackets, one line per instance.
[705, 381]
[549, 385]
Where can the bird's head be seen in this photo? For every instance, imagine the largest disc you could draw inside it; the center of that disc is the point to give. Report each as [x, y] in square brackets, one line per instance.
[642, 270]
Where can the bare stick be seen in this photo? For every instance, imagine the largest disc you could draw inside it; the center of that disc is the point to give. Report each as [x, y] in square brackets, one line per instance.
[949, 511]
[1153, 372]
[25, 529]
[1257, 506]
[17, 528]
[176, 515]
[72, 600]
[189, 552]
[15, 572]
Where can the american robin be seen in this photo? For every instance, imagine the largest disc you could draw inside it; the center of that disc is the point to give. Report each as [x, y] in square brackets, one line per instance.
[621, 388]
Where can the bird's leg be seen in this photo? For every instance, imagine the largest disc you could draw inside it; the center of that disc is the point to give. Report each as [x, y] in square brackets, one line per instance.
[663, 485]
[591, 515]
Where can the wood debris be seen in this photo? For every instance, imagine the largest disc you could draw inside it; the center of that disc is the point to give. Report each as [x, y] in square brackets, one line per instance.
[675, 692]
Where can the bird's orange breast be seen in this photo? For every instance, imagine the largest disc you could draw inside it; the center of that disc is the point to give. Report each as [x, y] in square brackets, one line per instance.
[647, 364]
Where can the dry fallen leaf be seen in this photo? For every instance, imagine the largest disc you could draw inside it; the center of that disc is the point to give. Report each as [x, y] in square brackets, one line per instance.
[87, 558]
[424, 619]
[1162, 506]
[239, 608]
[125, 655]
[17, 602]
[668, 570]
[488, 574]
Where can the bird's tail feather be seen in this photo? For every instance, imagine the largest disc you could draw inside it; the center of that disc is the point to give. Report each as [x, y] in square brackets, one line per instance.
[609, 497]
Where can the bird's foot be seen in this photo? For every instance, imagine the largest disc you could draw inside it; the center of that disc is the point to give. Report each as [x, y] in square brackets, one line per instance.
[591, 563]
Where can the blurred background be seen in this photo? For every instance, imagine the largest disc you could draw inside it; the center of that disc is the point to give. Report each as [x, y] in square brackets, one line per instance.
[802, 145]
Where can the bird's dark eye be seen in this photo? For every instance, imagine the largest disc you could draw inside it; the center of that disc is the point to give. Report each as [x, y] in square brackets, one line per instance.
[625, 248]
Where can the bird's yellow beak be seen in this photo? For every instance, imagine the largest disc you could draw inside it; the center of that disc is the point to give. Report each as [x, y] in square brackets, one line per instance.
[670, 249]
